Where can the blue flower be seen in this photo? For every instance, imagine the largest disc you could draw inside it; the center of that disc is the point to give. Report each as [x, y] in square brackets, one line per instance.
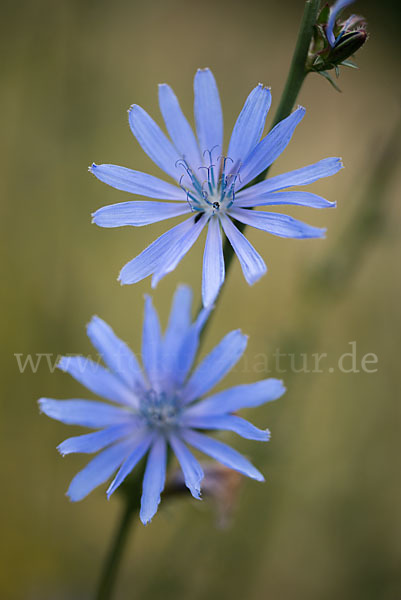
[211, 188]
[158, 406]
[334, 12]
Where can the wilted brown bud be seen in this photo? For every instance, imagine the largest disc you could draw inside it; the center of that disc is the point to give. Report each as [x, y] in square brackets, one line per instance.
[221, 485]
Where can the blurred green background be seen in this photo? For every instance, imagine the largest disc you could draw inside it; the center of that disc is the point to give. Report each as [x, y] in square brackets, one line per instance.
[327, 522]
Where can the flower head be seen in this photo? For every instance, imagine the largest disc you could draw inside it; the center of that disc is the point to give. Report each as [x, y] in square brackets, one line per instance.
[157, 406]
[210, 187]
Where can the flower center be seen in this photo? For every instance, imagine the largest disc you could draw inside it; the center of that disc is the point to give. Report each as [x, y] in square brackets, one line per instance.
[212, 189]
[160, 409]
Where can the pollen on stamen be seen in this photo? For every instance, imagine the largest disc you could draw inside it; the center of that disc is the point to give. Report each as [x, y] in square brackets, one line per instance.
[265, 87]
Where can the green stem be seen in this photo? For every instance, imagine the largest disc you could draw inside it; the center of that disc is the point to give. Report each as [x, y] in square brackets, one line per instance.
[130, 492]
[297, 72]
[111, 565]
[295, 79]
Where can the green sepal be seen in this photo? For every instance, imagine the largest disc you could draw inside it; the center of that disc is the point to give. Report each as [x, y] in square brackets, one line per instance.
[349, 63]
[323, 15]
[326, 75]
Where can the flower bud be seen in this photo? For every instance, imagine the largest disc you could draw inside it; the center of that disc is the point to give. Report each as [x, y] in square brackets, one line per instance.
[349, 43]
[335, 40]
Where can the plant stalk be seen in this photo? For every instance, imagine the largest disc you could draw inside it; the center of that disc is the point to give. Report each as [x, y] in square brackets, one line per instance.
[113, 559]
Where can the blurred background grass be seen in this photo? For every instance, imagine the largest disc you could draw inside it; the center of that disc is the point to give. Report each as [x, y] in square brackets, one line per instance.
[327, 522]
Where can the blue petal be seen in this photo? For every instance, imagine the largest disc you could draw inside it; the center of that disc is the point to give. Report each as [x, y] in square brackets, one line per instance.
[335, 9]
[86, 413]
[186, 355]
[252, 264]
[241, 396]
[93, 442]
[115, 353]
[202, 317]
[178, 127]
[208, 113]
[180, 318]
[268, 149]
[277, 224]
[216, 365]
[99, 470]
[303, 176]
[153, 481]
[151, 342]
[222, 453]
[136, 182]
[229, 423]
[208, 118]
[179, 326]
[179, 249]
[277, 198]
[153, 141]
[250, 124]
[97, 379]
[139, 451]
[148, 261]
[213, 264]
[137, 214]
[192, 470]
